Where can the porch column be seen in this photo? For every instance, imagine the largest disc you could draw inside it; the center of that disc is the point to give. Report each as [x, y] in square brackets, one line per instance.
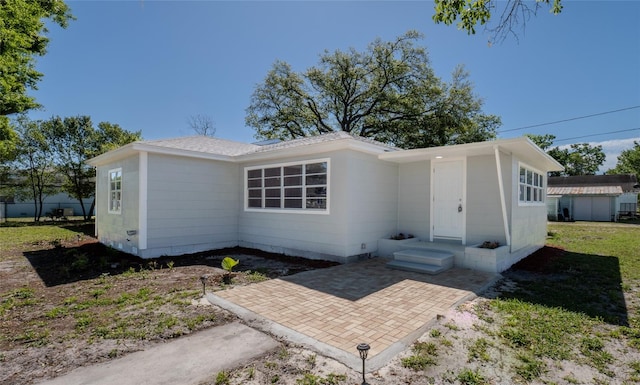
[503, 203]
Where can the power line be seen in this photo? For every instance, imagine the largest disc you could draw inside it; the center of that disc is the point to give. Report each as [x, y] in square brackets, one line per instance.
[588, 136]
[568, 120]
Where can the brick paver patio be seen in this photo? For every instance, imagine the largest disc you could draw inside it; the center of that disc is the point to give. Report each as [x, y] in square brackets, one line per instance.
[359, 302]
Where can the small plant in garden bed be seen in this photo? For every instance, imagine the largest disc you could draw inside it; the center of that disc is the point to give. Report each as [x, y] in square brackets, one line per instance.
[401, 236]
[490, 245]
[227, 264]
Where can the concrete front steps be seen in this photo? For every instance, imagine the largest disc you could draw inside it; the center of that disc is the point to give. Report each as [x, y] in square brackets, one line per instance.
[422, 260]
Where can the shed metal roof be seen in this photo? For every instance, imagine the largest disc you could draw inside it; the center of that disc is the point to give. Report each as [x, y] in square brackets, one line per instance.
[584, 190]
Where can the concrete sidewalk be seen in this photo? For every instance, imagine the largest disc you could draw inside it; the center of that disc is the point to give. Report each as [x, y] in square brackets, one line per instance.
[187, 361]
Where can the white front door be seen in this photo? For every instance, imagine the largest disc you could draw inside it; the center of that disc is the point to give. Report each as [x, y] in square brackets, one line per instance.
[448, 200]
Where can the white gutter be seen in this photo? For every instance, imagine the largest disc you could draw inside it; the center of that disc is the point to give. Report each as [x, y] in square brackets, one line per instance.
[503, 202]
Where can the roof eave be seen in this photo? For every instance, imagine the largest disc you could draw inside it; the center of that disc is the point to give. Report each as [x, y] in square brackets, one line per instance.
[137, 147]
[516, 145]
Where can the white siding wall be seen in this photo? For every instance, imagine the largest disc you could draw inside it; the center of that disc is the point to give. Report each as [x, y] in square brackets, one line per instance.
[111, 229]
[372, 196]
[413, 199]
[528, 223]
[362, 201]
[192, 205]
[484, 212]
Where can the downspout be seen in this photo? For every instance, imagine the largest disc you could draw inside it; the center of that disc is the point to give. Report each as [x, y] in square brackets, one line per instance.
[503, 203]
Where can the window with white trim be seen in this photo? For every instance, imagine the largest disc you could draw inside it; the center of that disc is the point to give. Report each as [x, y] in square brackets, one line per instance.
[115, 190]
[531, 185]
[291, 186]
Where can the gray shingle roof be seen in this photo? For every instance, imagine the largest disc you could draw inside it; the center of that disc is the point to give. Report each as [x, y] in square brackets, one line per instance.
[205, 144]
[231, 148]
[324, 138]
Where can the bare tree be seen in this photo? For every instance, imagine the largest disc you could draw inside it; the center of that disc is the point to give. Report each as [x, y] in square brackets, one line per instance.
[202, 125]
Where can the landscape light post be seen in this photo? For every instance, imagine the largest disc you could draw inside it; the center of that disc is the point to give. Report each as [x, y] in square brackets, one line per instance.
[363, 350]
[203, 279]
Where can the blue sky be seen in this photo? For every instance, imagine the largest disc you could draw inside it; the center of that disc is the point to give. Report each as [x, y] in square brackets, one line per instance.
[149, 65]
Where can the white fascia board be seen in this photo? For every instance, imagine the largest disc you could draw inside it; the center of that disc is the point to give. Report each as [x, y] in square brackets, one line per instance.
[522, 147]
[135, 147]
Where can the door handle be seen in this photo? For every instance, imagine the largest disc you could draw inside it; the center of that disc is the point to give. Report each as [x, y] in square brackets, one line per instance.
[460, 208]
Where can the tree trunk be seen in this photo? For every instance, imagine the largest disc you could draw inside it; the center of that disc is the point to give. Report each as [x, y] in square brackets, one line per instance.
[93, 206]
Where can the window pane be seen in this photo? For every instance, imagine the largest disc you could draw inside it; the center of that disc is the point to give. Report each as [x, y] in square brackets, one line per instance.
[272, 203]
[535, 194]
[293, 192]
[316, 179]
[522, 175]
[254, 173]
[316, 203]
[317, 168]
[272, 171]
[272, 193]
[293, 181]
[255, 203]
[293, 170]
[255, 193]
[272, 182]
[254, 183]
[313, 192]
[528, 194]
[529, 177]
[521, 193]
[293, 203]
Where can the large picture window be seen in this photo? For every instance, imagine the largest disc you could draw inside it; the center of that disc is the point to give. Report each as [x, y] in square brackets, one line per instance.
[291, 186]
[531, 185]
[115, 191]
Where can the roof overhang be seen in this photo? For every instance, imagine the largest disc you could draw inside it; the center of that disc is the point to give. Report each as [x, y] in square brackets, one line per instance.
[134, 148]
[525, 150]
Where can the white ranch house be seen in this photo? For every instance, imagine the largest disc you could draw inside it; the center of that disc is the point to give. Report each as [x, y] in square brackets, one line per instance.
[333, 196]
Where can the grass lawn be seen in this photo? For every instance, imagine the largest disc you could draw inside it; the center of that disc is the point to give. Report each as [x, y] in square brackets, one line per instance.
[581, 305]
[68, 301]
[569, 314]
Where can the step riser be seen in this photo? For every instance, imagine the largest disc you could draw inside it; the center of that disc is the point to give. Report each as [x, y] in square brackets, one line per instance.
[445, 262]
[425, 256]
[416, 268]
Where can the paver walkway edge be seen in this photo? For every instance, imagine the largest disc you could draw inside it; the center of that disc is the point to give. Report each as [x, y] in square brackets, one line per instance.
[187, 360]
[310, 308]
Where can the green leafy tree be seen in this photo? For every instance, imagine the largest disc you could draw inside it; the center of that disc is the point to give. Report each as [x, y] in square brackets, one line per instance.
[388, 93]
[76, 140]
[543, 141]
[471, 13]
[33, 172]
[578, 159]
[8, 152]
[23, 37]
[628, 161]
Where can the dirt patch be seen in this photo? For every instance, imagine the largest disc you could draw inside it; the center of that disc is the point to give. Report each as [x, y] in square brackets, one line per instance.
[66, 304]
